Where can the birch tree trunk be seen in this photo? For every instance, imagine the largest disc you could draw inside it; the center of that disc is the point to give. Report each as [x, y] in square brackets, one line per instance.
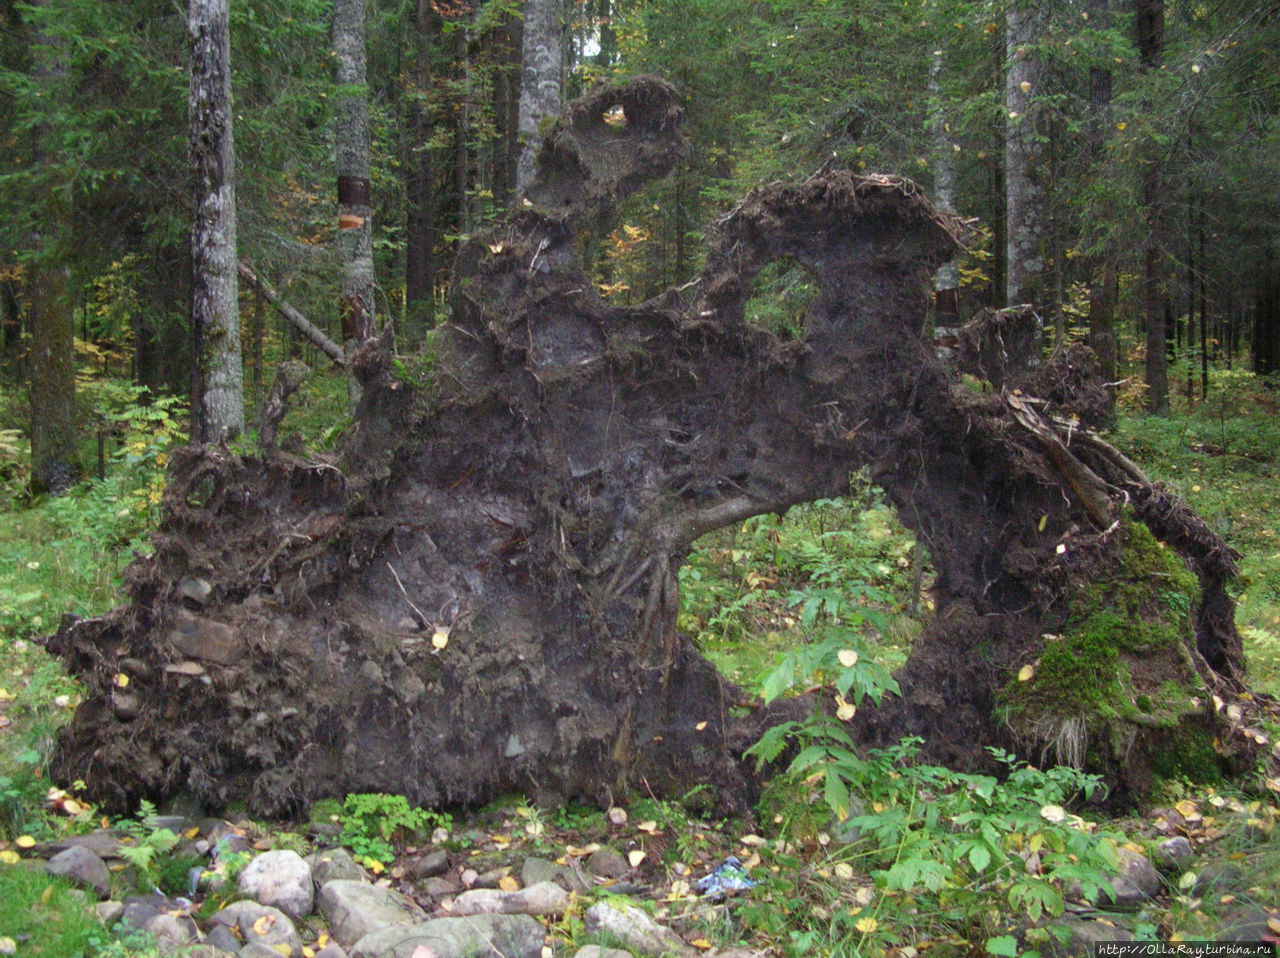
[1023, 195]
[218, 393]
[543, 59]
[351, 149]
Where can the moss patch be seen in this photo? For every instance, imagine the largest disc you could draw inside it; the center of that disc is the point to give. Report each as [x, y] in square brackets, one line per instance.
[1121, 664]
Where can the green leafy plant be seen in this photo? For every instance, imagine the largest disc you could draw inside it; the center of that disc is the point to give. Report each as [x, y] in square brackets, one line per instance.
[372, 821]
[144, 845]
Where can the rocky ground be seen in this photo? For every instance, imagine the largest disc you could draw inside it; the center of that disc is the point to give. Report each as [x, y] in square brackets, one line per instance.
[515, 885]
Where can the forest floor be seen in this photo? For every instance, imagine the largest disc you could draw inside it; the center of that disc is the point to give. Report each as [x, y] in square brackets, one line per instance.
[903, 874]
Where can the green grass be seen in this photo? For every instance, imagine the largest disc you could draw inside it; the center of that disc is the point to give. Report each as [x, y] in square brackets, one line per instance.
[1223, 457]
[46, 917]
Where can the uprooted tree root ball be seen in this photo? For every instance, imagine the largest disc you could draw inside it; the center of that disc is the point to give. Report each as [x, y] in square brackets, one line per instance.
[479, 593]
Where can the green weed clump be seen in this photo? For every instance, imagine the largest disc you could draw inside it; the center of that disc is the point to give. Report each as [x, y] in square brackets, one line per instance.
[371, 822]
[922, 852]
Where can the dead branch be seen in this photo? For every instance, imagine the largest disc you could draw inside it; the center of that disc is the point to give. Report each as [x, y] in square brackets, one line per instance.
[304, 325]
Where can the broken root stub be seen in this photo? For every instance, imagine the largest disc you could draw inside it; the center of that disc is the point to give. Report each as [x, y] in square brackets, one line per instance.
[479, 594]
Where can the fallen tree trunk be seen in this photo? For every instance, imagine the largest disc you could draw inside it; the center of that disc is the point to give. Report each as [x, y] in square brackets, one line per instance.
[300, 322]
[480, 593]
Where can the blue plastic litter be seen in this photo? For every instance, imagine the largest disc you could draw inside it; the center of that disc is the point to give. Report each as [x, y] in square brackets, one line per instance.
[728, 878]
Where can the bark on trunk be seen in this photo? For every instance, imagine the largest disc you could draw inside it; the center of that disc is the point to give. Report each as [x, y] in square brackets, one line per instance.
[351, 155]
[542, 58]
[481, 594]
[420, 161]
[1150, 26]
[55, 459]
[1023, 194]
[946, 281]
[218, 400]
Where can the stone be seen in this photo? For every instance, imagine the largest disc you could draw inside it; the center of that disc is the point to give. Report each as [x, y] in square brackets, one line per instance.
[476, 936]
[331, 950]
[207, 950]
[1136, 882]
[102, 842]
[196, 637]
[220, 936]
[355, 909]
[109, 912]
[170, 931]
[632, 928]
[1084, 937]
[544, 898]
[427, 865]
[536, 870]
[1247, 924]
[1176, 852]
[596, 951]
[140, 909]
[1218, 877]
[255, 950]
[260, 924]
[606, 863]
[333, 864]
[79, 865]
[280, 879]
[440, 886]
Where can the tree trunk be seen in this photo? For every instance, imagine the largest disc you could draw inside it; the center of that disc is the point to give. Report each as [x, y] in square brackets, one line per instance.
[421, 230]
[1150, 26]
[481, 594]
[218, 400]
[542, 58]
[946, 281]
[351, 154]
[55, 458]
[1023, 192]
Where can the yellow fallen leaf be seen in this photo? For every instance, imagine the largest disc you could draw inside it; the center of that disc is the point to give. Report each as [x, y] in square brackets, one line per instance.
[375, 866]
[263, 924]
[679, 889]
[122, 680]
[440, 638]
[1044, 521]
[701, 944]
[1053, 814]
[308, 952]
[1026, 672]
[1274, 925]
[866, 925]
[322, 939]
[844, 871]
[282, 948]
[752, 840]
[847, 657]
[508, 883]
[25, 841]
[1060, 548]
[635, 857]
[46, 894]
[9, 857]
[8, 946]
[648, 826]
[700, 726]
[845, 711]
